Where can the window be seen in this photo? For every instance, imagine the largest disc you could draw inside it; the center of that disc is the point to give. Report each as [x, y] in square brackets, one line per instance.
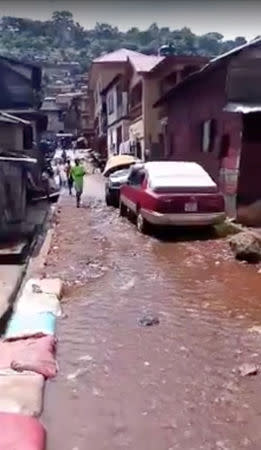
[136, 95]
[137, 176]
[110, 103]
[208, 135]
[119, 95]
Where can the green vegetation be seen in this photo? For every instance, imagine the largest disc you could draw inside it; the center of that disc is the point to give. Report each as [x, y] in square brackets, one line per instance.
[62, 39]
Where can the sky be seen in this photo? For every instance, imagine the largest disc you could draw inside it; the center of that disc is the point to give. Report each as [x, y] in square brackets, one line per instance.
[229, 17]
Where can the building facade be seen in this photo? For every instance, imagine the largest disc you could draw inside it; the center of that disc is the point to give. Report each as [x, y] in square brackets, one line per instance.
[214, 118]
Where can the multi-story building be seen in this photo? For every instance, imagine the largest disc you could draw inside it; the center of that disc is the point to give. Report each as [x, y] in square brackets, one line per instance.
[126, 85]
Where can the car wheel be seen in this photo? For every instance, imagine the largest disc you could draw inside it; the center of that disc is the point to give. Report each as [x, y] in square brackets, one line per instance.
[123, 210]
[142, 224]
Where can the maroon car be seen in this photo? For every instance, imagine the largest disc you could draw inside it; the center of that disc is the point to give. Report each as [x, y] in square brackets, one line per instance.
[171, 193]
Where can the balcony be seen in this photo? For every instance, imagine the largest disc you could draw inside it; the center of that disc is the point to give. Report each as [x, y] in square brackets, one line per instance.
[135, 111]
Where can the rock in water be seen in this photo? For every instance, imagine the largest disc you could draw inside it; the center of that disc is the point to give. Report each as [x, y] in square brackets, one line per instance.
[246, 247]
[149, 320]
[248, 370]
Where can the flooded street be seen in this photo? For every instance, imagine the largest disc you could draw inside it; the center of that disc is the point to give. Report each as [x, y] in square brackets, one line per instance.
[174, 385]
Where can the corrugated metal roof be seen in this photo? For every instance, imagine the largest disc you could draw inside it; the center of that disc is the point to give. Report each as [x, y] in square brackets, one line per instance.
[120, 55]
[244, 108]
[209, 66]
[145, 63]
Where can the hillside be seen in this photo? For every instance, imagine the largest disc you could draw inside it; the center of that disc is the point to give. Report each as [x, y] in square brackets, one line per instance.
[62, 39]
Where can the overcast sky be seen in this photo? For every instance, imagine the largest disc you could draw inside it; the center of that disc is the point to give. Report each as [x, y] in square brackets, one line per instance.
[231, 17]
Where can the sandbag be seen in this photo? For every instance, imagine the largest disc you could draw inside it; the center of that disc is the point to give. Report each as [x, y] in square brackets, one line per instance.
[32, 303]
[21, 393]
[21, 433]
[23, 326]
[45, 285]
[32, 354]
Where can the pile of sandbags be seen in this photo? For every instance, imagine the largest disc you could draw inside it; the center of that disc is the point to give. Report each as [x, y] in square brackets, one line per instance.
[27, 358]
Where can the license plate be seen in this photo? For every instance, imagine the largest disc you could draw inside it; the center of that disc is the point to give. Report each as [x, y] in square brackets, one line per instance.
[191, 207]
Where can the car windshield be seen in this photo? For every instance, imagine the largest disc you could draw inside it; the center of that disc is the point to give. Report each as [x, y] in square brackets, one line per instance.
[121, 173]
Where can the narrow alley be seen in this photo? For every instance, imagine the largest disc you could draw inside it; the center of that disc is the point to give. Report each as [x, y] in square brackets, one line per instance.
[174, 385]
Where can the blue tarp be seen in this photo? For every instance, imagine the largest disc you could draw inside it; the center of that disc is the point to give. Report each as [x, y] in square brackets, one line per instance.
[21, 326]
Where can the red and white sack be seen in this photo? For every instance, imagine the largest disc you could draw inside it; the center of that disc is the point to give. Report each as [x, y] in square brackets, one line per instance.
[20, 432]
[32, 354]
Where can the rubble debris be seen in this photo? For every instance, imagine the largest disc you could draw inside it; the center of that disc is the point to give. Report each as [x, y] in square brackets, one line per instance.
[246, 247]
[149, 320]
[248, 369]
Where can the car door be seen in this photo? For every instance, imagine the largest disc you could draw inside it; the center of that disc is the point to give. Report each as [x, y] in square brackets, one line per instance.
[131, 192]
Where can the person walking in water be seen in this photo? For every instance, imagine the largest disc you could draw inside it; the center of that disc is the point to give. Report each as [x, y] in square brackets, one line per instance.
[69, 176]
[78, 173]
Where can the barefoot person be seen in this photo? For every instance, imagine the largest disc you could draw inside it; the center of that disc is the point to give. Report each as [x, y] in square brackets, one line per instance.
[78, 173]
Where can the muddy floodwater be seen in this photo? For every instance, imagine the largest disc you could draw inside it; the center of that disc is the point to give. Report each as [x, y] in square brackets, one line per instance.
[174, 385]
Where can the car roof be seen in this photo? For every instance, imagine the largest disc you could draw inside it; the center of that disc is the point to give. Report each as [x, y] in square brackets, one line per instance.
[178, 173]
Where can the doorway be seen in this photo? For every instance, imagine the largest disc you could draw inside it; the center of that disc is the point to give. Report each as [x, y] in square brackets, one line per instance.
[249, 182]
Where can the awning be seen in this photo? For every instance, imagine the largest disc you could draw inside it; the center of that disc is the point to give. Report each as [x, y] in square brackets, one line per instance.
[244, 108]
[13, 119]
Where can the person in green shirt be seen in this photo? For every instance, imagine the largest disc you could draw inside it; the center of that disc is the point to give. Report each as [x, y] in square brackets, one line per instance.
[77, 173]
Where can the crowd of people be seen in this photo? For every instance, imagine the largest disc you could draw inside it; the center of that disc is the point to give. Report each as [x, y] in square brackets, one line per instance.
[71, 175]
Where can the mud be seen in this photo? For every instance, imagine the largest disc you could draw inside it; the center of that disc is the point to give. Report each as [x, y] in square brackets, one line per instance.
[176, 385]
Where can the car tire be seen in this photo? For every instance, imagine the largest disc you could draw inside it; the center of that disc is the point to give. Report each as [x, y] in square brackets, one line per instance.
[142, 224]
[123, 210]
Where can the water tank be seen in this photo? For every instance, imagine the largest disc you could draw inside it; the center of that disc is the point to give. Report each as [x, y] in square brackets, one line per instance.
[167, 50]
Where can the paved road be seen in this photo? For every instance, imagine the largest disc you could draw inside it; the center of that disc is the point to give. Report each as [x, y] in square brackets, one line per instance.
[175, 385]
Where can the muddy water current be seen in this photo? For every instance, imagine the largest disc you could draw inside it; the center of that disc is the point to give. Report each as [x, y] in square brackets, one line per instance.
[175, 385]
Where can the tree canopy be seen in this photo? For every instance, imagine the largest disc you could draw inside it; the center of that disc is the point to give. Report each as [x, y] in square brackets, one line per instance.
[61, 38]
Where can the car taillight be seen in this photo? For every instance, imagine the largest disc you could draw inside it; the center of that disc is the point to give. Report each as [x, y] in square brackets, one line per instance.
[215, 202]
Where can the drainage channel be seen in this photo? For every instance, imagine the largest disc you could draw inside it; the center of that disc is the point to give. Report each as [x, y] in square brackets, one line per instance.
[28, 311]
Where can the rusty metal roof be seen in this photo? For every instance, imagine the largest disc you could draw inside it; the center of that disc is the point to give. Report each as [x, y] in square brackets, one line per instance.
[120, 55]
[244, 108]
[211, 65]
